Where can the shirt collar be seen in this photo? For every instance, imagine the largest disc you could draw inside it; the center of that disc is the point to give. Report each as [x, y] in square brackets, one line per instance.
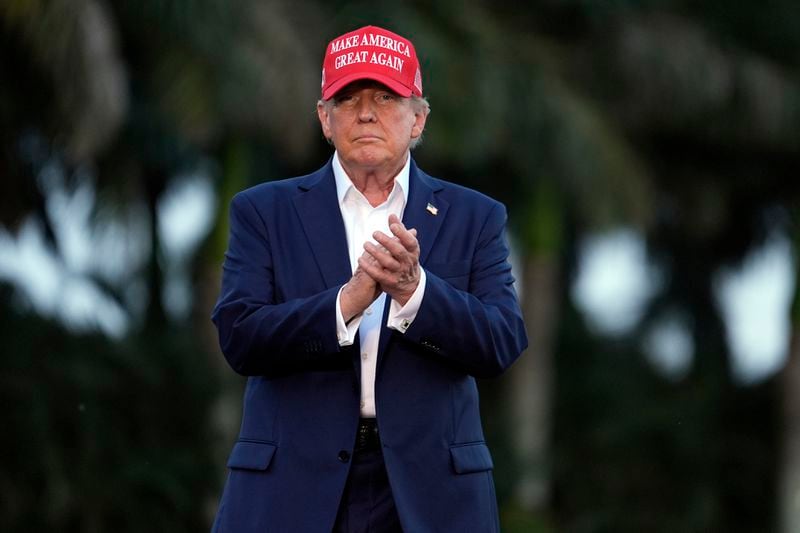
[343, 183]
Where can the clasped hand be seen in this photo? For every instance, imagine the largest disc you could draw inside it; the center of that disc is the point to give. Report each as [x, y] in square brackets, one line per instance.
[391, 266]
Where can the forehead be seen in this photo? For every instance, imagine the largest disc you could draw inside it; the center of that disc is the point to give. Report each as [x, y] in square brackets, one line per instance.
[359, 85]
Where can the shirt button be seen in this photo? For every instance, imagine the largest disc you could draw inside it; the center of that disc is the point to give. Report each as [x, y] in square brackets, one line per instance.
[362, 404]
[368, 311]
[364, 356]
[344, 456]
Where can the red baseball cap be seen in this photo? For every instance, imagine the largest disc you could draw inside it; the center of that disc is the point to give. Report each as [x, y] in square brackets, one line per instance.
[375, 54]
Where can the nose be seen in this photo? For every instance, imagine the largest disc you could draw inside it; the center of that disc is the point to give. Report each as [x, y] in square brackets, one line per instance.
[366, 110]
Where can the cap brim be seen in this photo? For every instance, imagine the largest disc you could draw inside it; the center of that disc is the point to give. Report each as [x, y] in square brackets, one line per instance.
[392, 84]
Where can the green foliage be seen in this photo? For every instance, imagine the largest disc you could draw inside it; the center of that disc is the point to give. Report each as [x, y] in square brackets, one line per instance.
[637, 452]
[516, 520]
[103, 436]
[678, 118]
[543, 230]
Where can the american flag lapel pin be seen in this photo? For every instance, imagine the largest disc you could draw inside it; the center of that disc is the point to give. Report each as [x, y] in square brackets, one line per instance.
[432, 209]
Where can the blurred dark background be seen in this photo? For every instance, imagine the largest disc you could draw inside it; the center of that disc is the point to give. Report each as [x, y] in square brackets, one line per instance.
[648, 152]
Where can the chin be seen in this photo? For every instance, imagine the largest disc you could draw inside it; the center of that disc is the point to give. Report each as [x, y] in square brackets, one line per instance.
[370, 156]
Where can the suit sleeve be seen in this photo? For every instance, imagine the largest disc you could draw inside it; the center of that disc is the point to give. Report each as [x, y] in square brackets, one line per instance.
[257, 335]
[480, 330]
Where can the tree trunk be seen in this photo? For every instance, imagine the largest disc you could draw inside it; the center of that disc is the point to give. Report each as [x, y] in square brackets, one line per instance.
[789, 465]
[226, 414]
[531, 382]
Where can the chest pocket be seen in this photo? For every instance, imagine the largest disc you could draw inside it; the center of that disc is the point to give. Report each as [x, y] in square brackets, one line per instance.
[456, 273]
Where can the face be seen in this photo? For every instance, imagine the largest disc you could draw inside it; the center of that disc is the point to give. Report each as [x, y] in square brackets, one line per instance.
[370, 126]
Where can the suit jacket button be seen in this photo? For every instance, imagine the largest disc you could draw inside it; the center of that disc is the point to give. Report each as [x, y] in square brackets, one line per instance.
[344, 456]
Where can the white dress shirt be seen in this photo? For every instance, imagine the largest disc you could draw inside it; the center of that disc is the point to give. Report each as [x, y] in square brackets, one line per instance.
[361, 220]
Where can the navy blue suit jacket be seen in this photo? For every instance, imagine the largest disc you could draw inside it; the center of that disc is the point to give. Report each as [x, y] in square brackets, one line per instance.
[286, 260]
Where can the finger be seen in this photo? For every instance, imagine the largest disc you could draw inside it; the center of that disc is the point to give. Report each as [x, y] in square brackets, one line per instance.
[361, 276]
[406, 238]
[368, 265]
[371, 257]
[382, 256]
[373, 270]
[377, 250]
[396, 225]
[392, 245]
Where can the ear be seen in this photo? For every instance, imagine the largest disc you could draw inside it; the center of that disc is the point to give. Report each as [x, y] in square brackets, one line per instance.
[420, 117]
[324, 120]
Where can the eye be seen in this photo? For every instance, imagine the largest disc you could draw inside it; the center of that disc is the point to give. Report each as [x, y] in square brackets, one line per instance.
[384, 98]
[344, 99]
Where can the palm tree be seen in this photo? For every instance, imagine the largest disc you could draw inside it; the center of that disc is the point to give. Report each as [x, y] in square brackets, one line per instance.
[579, 116]
[711, 109]
[133, 95]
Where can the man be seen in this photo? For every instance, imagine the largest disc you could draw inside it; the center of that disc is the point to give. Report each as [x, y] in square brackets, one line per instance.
[361, 300]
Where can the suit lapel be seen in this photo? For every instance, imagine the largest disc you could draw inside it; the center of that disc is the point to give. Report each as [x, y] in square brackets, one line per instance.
[423, 210]
[318, 209]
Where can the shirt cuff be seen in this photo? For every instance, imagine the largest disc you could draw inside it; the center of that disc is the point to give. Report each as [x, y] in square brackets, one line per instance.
[345, 333]
[401, 317]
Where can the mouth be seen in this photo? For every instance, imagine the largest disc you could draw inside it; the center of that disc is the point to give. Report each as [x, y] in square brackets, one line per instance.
[367, 138]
